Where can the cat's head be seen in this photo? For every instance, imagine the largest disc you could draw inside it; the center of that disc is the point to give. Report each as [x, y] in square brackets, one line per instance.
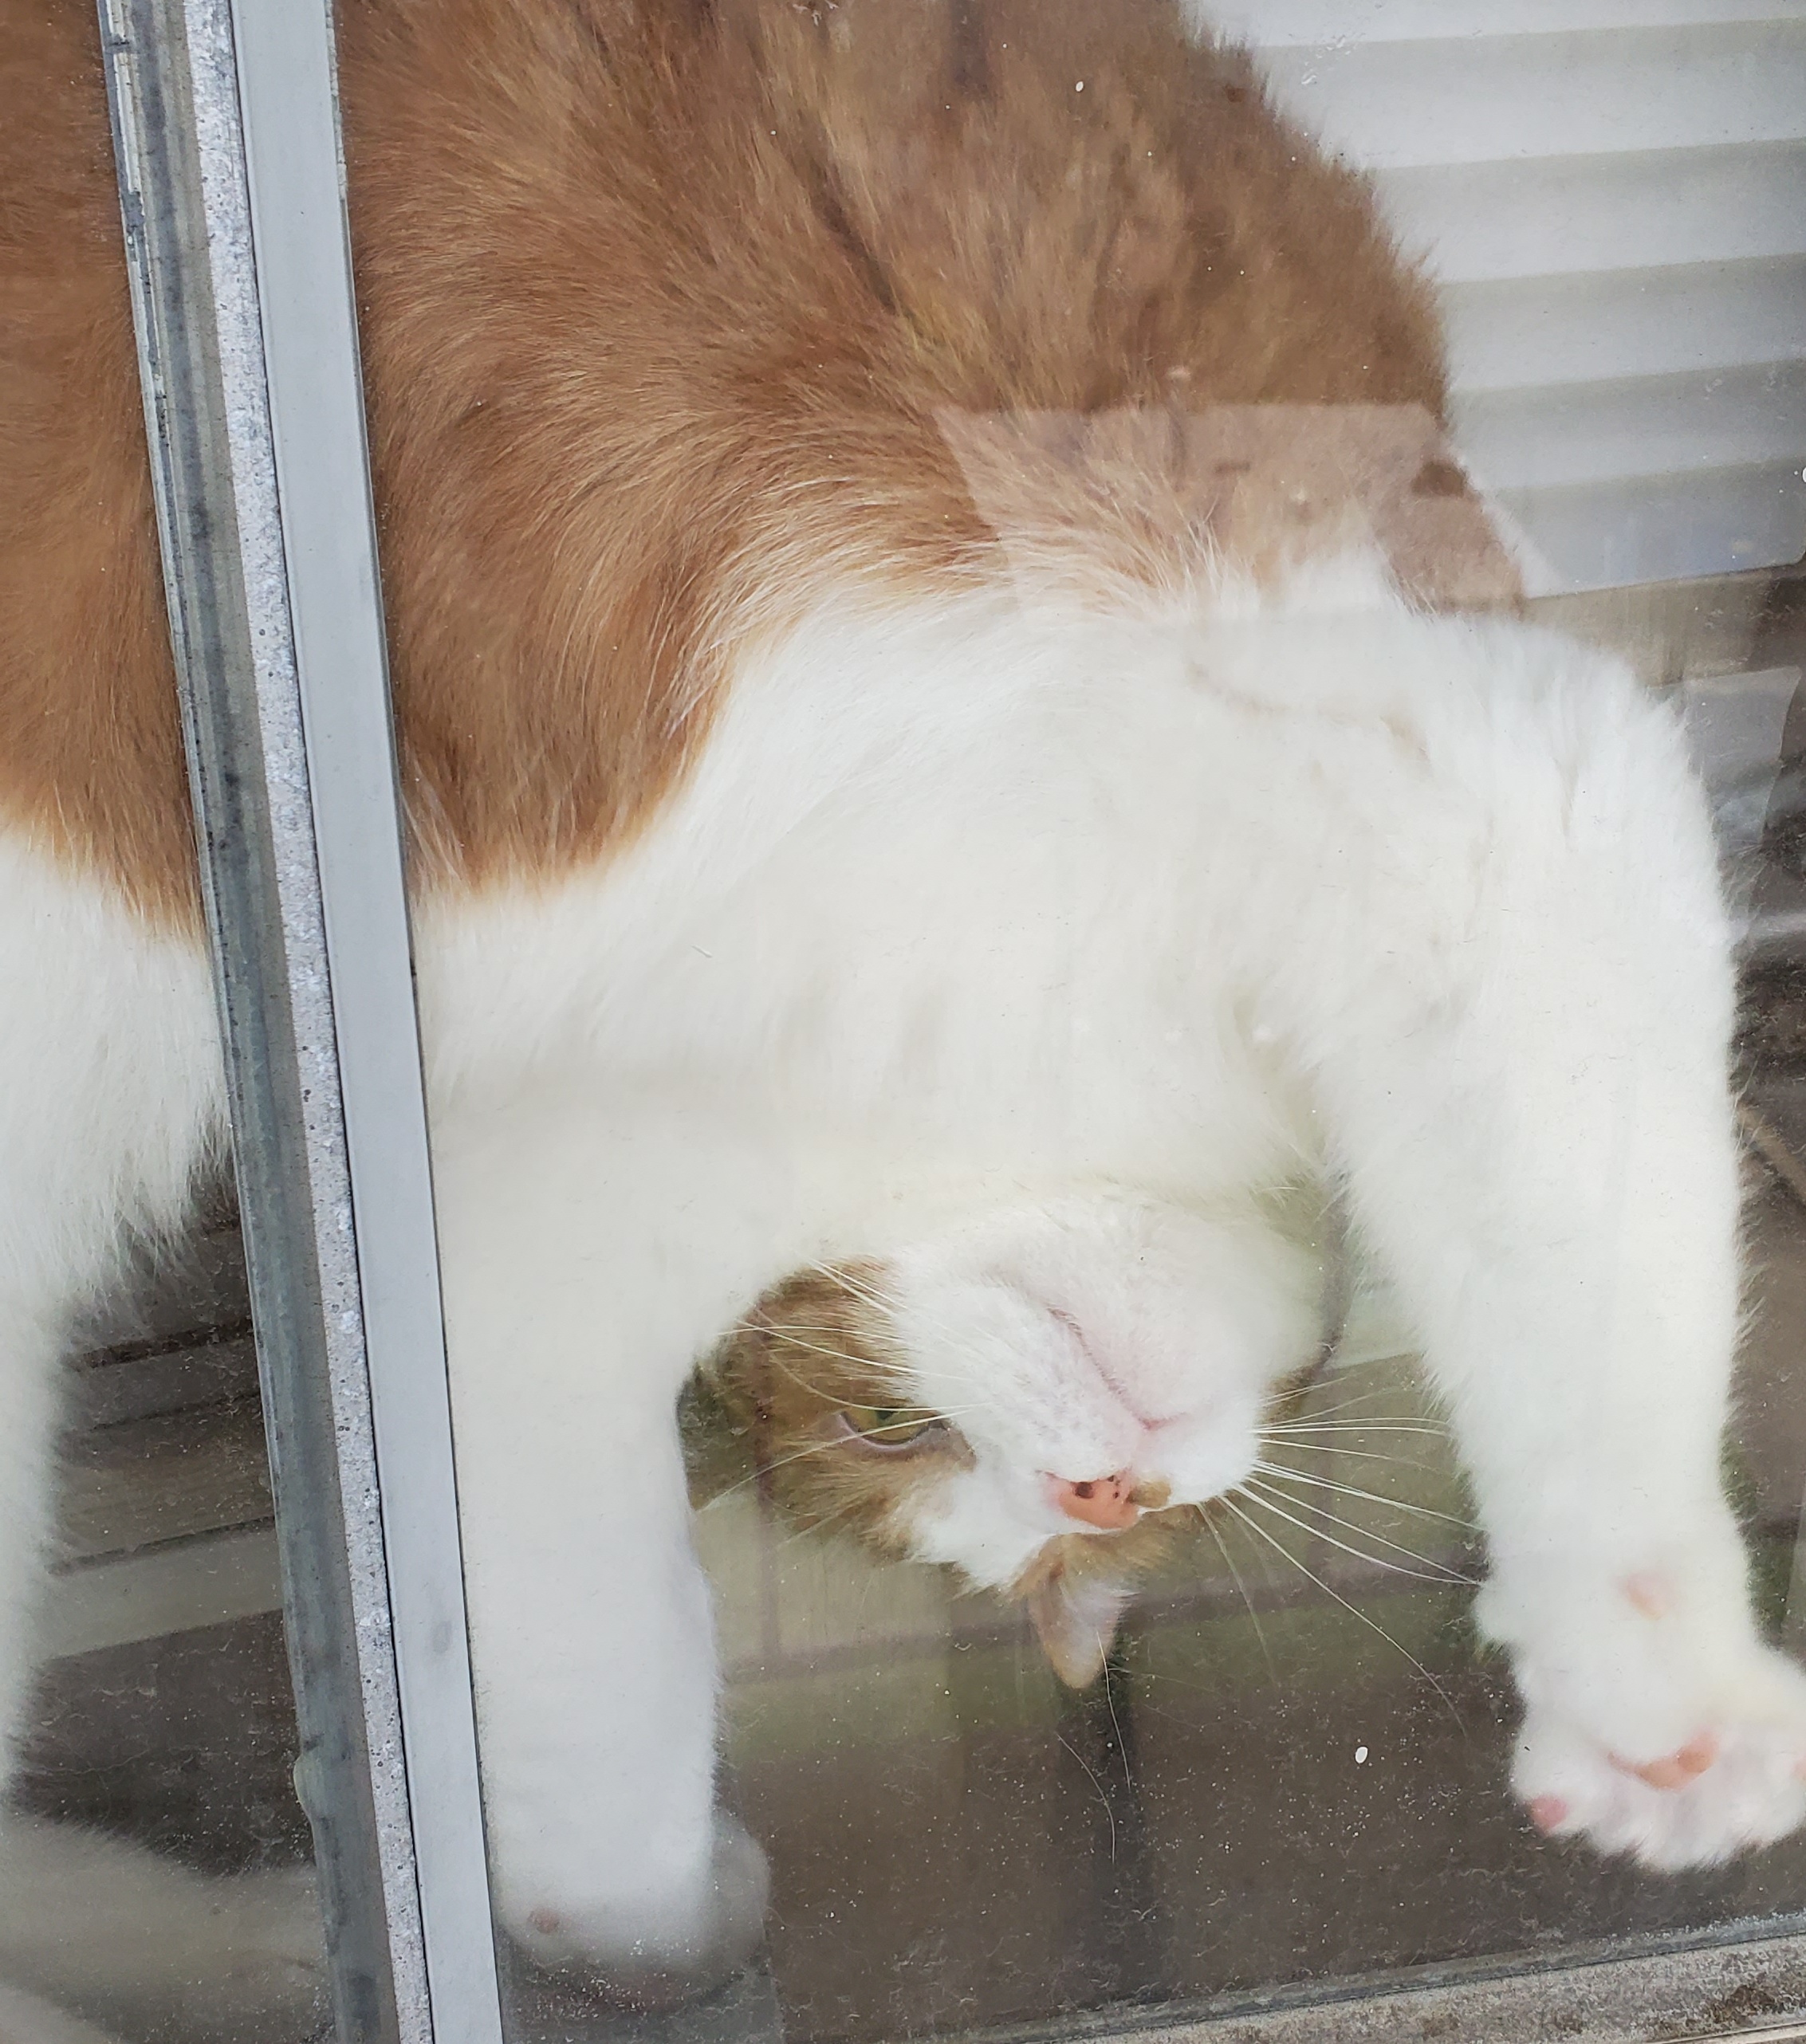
[1038, 1396]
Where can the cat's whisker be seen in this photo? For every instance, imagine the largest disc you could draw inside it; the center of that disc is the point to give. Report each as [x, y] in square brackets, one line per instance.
[1096, 1784]
[1369, 1497]
[833, 1446]
[1356, 1454]
[860, 1288]
[783, 1462]
[1359, 1426]
[1348, 1405]
[1241, 1591]
[1257, 1493]
[1445, 1572]
[1344, 1361]
[1280, 1548]
[1322, 1416]
[879, 1303]
[794, 1336]
[882, 1303]
[815, 1390]
[769, 1468]
[801, 1383]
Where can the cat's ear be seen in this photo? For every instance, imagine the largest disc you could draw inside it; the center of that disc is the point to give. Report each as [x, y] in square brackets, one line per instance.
[1075, 1616]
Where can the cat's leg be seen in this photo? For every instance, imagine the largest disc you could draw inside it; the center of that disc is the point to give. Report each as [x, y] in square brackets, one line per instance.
[1521, 1039]
[588, 1260]
[110, 1093]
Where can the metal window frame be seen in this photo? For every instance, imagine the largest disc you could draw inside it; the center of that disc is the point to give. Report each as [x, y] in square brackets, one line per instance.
[226, 136]
[226, 128]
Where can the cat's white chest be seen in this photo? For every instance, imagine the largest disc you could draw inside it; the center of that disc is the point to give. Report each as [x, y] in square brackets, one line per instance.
[958, 897]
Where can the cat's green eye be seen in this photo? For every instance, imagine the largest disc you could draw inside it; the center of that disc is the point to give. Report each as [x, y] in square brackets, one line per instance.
[889, 1426]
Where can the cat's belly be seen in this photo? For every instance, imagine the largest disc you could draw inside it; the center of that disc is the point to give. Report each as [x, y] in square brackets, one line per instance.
[924, 915]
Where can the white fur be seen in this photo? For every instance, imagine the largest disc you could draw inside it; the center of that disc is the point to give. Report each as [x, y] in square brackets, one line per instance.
[1024, 944]
[112, 1097]
[107, 1038]
[130, 1941]
[26, 2018]
[982, 908]
[1077, 1337]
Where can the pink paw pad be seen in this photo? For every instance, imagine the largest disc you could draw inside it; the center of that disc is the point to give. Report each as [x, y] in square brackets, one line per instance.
[1675, 1770]
[545, 1922]
[1548, 1813]
[1650, 1592]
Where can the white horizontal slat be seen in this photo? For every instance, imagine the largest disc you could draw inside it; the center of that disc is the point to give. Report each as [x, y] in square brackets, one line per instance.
[1622, 324]
[1665, 529]
[1610, 195]
[1498, 98]
[1735, 723]
[1334, 23]
[1655, 426]
[1530, 218]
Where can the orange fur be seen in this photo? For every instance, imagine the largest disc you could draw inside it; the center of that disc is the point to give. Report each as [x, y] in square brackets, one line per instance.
[90, 744]
[812, 1351]
[666, 307]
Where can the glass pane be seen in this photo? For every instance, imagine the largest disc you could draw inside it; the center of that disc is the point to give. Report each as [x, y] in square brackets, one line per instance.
[1054, 830]
[1009, 922]
[1291, 1771]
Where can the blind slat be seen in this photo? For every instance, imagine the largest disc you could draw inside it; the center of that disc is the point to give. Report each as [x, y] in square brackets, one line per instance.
[1616, 324]
[1497, 98]
[1660, 528]
[1656, 425]
[1576, 213]
[1610, 196]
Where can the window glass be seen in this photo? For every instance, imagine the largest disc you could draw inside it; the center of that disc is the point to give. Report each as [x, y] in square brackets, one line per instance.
[1090, 725]
[1046, 864]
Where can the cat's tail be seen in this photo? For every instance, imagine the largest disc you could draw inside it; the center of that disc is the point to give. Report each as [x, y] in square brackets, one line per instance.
[24, 2019]
[139, 1943]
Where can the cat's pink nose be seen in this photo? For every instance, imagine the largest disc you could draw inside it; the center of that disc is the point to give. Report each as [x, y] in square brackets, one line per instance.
[1104, 1501]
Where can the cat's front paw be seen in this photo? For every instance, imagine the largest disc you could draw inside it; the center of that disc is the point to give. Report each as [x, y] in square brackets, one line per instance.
[1667, 1733]
[654, 1943]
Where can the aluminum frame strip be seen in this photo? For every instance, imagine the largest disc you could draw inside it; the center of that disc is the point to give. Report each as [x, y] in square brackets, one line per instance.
[226, 132]
[289, 97]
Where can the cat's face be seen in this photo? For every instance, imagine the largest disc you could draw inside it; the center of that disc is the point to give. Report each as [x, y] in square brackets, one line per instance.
[1035, 1395]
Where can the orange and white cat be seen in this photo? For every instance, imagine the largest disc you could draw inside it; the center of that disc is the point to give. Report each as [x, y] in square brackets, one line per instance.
[957, 723]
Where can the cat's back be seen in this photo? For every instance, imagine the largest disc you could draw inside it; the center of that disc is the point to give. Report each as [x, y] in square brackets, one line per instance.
[90, 751]
[667, 309]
